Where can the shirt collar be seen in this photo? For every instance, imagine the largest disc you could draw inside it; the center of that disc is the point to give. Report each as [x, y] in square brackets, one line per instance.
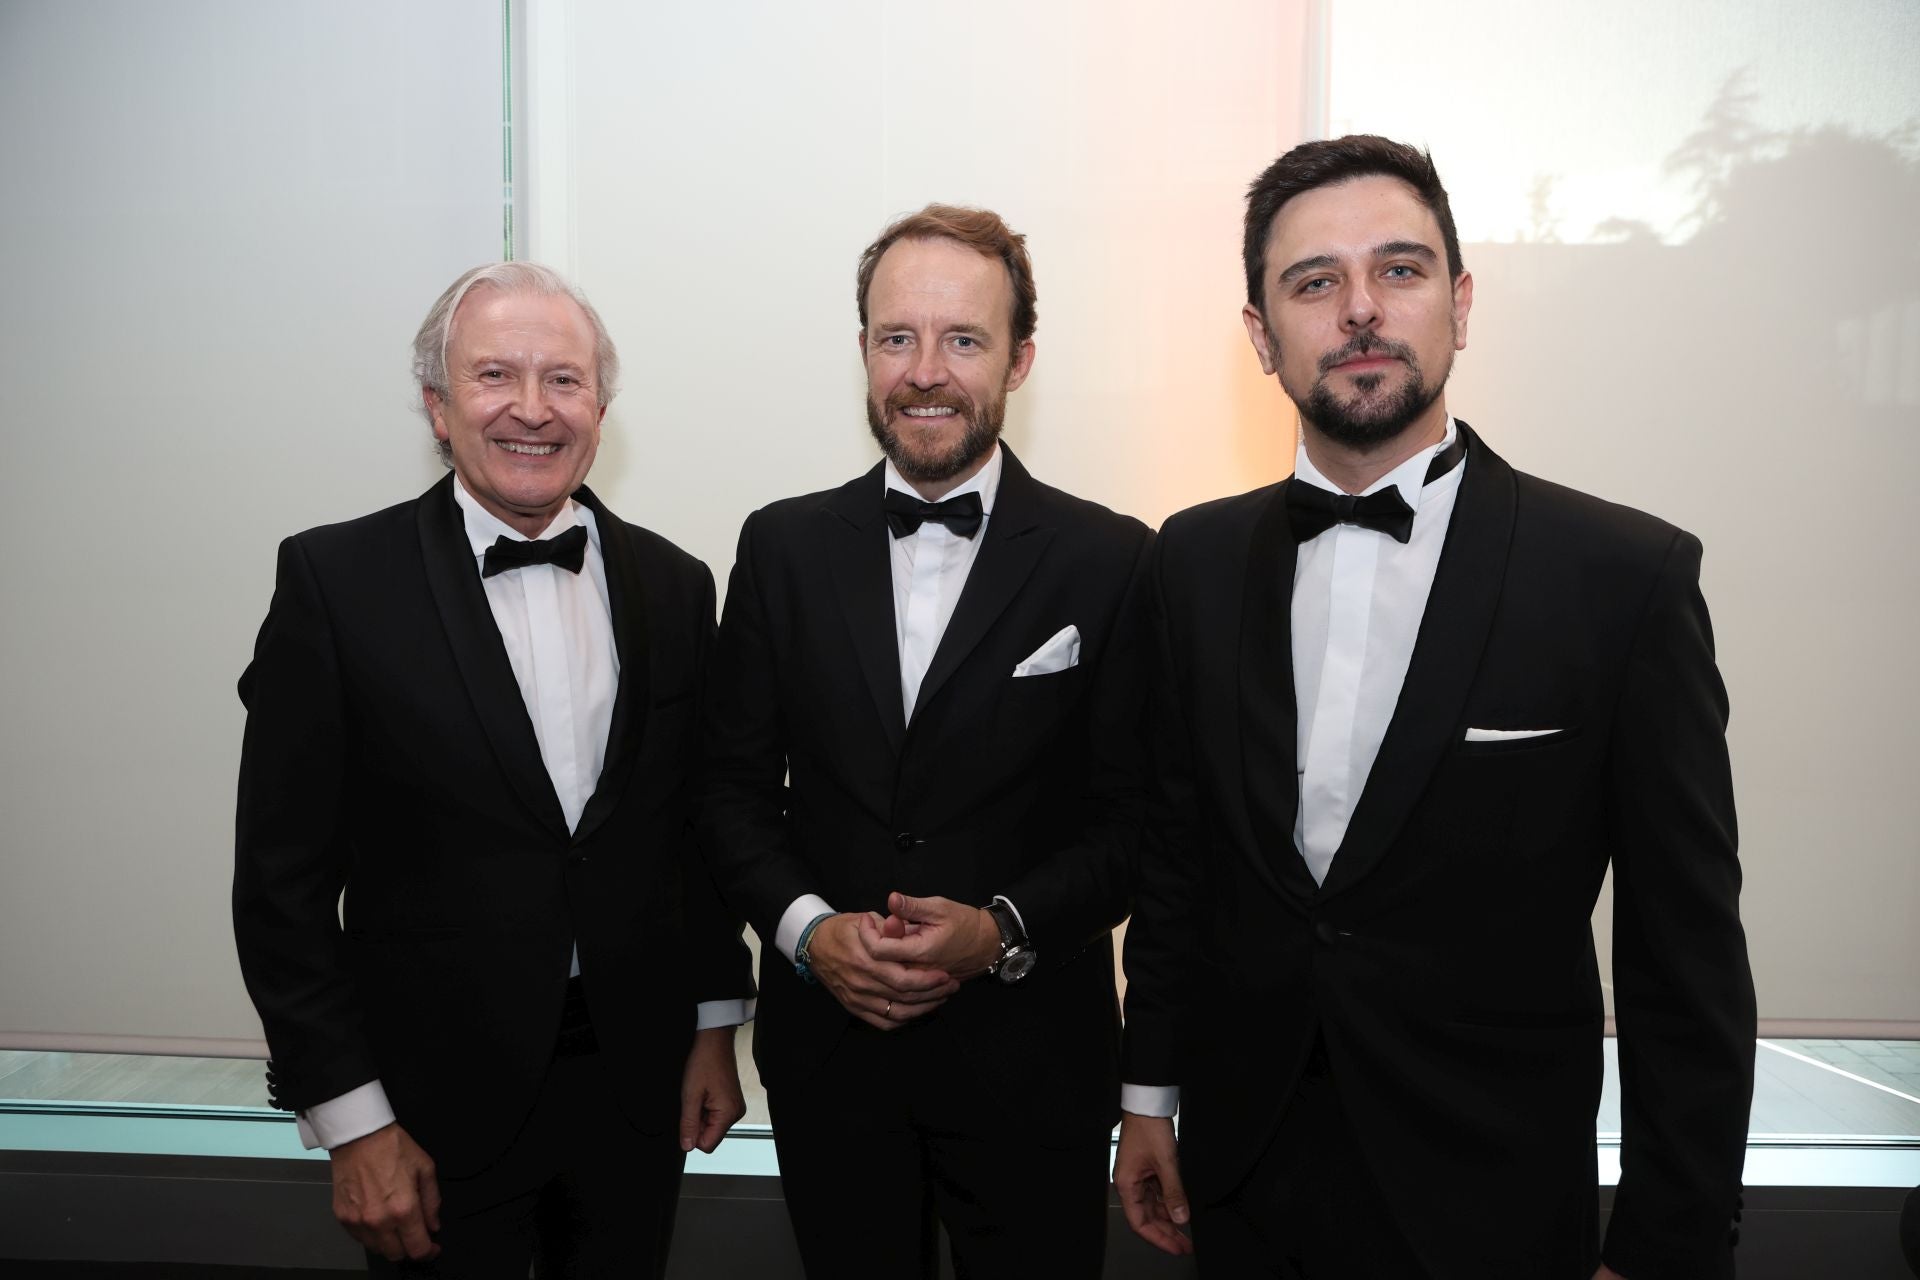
[483, 527]
[986, 482]
[1410, 477]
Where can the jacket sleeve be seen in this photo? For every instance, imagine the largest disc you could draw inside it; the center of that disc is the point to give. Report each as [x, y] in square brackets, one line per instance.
[742, 806]
[290, 852]
[1162, 940]
[723, 964]
[1683, 992]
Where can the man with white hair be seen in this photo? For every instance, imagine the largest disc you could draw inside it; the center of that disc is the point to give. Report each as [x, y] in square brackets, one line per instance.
[475, 712]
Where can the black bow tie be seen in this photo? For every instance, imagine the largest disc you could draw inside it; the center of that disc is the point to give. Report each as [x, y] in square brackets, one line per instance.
[1311, 510]
[568, 551]
[906, 513]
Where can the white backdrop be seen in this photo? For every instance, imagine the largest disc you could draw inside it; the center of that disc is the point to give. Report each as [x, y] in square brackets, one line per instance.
[223, 220]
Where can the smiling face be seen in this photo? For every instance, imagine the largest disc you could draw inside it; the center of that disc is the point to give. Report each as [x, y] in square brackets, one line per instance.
[1361, 319]
[940, 359]
[521, 412]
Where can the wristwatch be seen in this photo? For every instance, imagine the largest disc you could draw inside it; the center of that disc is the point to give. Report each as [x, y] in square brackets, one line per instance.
[1016, 958]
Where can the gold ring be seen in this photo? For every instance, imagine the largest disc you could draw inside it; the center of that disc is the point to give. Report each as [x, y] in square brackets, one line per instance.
[889, 1011]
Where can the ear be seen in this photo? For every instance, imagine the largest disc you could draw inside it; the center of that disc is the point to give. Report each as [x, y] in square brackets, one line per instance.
[1257, 334]
[863, 344]
[1462, 304]
[431, 399]
[1022, 365]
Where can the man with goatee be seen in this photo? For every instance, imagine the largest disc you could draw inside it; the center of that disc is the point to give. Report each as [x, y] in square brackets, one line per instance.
[922, 794]
[1411, 704]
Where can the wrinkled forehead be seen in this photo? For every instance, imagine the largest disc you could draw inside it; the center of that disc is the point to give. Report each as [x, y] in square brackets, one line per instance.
[490, 313]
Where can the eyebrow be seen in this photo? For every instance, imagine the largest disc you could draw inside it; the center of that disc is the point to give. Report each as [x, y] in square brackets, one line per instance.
[1391, 249]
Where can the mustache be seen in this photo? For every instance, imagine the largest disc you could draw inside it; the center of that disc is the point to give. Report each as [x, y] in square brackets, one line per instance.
[932, 398]
[1367, 344]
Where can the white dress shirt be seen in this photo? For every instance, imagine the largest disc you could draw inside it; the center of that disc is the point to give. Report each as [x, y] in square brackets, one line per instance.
[930, 567]
[1358, 597]
[557, 628]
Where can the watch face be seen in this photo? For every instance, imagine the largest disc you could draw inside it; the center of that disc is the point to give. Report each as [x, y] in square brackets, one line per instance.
[1018, 964]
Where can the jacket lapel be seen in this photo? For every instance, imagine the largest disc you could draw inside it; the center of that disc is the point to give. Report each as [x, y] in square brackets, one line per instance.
[1015, 539]
[478, 652]
[627, 602]
[1446, 657]
[1268, 718]
[860, 562]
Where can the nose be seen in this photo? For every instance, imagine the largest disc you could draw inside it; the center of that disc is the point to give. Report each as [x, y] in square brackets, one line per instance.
[929, 367]
[1359, 308]
[532, 405]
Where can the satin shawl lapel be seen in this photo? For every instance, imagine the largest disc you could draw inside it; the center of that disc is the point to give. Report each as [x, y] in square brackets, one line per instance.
[857, 554]
[1446, 657]
[627, 602]
[1015, 539]
[1268, 718]
[482, 658]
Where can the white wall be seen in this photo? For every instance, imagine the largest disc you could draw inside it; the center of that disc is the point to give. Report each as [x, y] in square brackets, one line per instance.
[1747, 366]
[222, 222]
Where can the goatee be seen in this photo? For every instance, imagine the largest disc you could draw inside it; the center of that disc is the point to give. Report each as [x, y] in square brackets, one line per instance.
[1367, 421]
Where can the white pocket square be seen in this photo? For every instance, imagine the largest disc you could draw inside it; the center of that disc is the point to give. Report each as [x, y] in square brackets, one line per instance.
[1506, 735]
[1061, 651]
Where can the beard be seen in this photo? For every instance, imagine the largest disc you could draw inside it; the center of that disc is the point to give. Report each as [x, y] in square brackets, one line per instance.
[921, 461]
[1366, 420]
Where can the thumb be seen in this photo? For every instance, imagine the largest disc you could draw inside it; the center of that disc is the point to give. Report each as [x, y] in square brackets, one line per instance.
[692, 1111]
[907, 908]
[1173, 1193]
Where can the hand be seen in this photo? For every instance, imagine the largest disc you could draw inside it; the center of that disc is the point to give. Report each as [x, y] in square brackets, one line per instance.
[1146, 1172]
[881, 993]
[385, 1194]
[1607, 1273]
[710, 1099]
[938, 933]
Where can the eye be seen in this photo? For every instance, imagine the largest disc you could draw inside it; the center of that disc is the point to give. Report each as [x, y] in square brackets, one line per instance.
[894, 340]
[492, 375]
[964, 342]
[1317, 284]
[1401, 271]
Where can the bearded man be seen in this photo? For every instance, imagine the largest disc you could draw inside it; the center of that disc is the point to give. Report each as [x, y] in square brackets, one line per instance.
[922, 793]
[1410, 706]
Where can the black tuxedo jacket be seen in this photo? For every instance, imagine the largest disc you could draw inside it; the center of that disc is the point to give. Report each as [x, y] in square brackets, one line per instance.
[1448, 958]
[1025, 787]
[388, 751]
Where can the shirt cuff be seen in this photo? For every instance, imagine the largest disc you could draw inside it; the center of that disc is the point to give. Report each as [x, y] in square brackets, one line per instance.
[1150, 1099]
[1018, 919]
[338, 1121]
[794, 921]
[709, 1014]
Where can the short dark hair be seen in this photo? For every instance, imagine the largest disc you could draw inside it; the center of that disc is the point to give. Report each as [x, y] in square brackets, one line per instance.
[981, 230]
[1325, 164]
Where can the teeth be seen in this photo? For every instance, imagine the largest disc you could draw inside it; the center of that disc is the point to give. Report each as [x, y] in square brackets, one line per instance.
[532, 450]
[936, 411]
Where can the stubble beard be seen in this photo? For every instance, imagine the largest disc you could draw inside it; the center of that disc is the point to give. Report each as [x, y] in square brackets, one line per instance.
[1364, 422]
[980, 427]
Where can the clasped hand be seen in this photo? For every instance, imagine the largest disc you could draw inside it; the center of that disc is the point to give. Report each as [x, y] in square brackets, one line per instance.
[890, 970]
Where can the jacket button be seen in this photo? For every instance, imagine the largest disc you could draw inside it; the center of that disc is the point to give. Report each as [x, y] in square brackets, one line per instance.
[904, 841]
[1326, 933]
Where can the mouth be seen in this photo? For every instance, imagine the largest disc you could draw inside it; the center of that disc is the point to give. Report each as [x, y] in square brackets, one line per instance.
[528, 450]
[1365, 364]
[932, 411]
